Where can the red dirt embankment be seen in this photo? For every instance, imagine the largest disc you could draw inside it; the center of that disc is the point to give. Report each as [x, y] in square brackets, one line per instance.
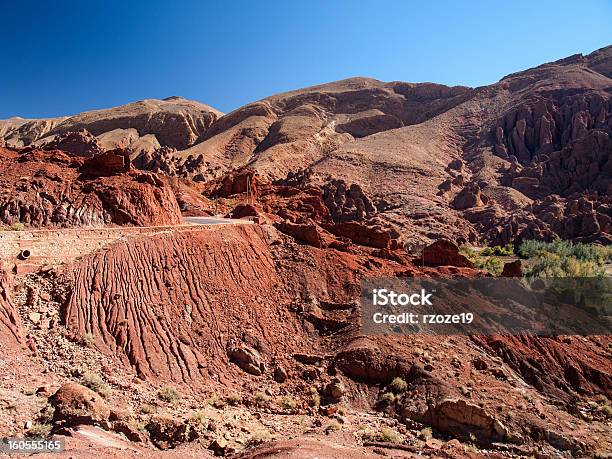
[174, 304]
[10, 333]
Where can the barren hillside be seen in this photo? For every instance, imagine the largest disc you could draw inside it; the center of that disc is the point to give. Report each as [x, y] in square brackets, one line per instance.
[526, 157]
[245, 340]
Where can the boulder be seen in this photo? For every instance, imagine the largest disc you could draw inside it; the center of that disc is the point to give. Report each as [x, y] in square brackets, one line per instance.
[280, 375]
[106, 164]
[461, 418]
[247, 359]
[444, 253]
[362, 234]
[512, 269]
[335, 390]
[468, 197]
[363, 360]
[308, 233]
[456, 165]
[243, 211]
[446, 185]
[76, 404]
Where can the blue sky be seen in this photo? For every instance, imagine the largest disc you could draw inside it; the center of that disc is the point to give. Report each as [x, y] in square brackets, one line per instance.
[64, 57]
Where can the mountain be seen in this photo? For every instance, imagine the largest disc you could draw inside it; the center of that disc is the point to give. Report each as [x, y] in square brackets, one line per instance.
[129, 332]
[174, 122]
[527, 157]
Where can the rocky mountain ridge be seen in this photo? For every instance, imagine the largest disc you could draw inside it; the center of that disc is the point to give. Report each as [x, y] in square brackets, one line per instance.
[492, 164]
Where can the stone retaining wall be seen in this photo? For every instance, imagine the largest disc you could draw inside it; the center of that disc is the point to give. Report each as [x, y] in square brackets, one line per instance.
[52, 247]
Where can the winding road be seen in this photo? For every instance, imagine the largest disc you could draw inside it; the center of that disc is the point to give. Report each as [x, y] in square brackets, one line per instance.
[215, 221]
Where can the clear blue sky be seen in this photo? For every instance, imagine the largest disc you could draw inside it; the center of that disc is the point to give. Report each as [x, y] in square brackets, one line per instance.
[64, 57]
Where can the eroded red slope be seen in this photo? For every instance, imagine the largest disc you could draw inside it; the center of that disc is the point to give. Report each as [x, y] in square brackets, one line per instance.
[10, 329]
[174, 304]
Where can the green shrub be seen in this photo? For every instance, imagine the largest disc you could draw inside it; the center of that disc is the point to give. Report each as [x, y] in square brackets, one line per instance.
[95, 383]
[46, 415]
[169, 394]
[491, 264]
[499, 251]
[287, 402]
[145, 408]
[234, 399]
[261, 398]
[387, 398]
[606, 410]
[398, 385]
[481, 261]
[555, 265]
[333, 426]
[595, 253]
[216, 401]
[426, 433]
[259, 436]
[40, 430]
[468, 251]
[199, 418]
[17, 227]
[389, 435]
[89, 339]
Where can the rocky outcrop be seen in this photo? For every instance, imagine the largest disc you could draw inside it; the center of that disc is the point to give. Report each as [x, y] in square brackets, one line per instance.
[362, 360]
[512, 269]
[546, 126]
[432, 401]
[462, 419]
[75, 404]
[77, 143]
[236, 183]
[107, 163]
[468, 197]
[444, 253]
[584, 217]
[302, 205]
[347, 203]
[159, 159]
[581, 217]
[246, 358]
[359, 233]
[560, 148]
[50, 188]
